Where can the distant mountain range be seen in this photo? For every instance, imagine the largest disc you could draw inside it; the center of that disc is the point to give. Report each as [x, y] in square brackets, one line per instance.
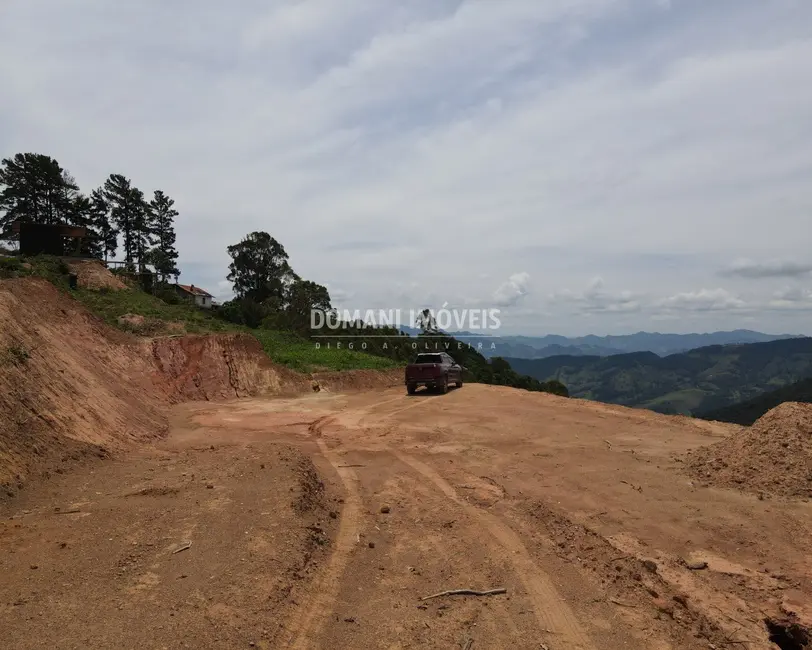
[605, 346]
[541, 347]
[697, 381]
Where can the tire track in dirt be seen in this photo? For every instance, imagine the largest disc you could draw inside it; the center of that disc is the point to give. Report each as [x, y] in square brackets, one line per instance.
[373, 409]
[325, 592]
[552, 612]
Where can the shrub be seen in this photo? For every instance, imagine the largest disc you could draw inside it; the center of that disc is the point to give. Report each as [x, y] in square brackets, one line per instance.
[17, 355]
[168, 295]
[10, 267]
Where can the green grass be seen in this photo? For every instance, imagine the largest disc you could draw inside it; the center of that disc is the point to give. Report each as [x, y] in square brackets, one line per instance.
[110, 305]
[300, 354]
[285, 348]
[52, 269]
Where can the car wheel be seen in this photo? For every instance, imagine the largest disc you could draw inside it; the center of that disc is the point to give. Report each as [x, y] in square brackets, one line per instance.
[459, 383]
[411, 388]
[444, 385]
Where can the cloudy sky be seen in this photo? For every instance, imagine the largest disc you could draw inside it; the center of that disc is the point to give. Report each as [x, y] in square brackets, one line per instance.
[601, 166]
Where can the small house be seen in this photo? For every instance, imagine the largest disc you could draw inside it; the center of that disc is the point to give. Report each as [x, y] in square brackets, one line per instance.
[194, 294]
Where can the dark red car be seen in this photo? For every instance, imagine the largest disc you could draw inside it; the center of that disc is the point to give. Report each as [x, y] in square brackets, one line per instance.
[434, 370]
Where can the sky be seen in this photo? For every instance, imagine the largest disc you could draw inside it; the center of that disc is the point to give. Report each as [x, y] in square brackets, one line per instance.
[584, 166]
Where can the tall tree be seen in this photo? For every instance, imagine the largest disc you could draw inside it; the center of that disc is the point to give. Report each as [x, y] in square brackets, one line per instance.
[164, 256]
[67, 205]
[78, 211]
[130, 215]
[260, 271]
[303, 297]
[33, 188]
[100, 217]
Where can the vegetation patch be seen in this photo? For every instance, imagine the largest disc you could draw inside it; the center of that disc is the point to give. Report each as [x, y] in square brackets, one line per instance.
[115, 306]
[300, 354]
[17, 355]
[53, 269]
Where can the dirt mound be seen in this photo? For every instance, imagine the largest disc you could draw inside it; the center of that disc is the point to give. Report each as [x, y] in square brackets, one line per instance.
[95, 275]
[69, 385]
[221, 366]
[774, 456]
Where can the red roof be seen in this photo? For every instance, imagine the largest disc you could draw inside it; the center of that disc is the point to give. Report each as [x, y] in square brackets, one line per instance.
[195, 291]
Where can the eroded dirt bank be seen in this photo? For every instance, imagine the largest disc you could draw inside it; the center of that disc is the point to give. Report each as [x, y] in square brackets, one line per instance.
[218, 367]
[71, 387]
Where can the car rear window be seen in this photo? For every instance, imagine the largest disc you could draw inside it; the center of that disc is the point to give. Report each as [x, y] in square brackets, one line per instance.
[429, 358]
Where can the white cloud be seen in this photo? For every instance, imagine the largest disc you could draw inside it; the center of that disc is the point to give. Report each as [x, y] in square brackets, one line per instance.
[703, 300]
[511, 292]
[791, 299]
[596, 300]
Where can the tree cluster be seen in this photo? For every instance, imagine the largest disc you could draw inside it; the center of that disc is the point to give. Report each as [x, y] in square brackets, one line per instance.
[35, 188]
[268, 292]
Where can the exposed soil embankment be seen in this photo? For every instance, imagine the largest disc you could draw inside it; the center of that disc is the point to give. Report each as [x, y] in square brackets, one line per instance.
[69, 385]
[221, 366]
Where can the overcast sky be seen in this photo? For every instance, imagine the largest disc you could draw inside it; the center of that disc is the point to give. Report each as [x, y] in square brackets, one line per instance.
[587, 166]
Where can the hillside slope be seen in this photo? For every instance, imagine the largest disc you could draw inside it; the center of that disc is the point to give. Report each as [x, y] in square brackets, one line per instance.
[749, 411]
[69, 385]
[699, 380]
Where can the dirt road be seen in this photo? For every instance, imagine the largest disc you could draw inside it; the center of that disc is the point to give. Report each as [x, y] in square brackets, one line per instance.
[321, 522]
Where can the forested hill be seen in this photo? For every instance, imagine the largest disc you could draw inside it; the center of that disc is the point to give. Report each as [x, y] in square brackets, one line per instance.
[751, 410]
[700, 380]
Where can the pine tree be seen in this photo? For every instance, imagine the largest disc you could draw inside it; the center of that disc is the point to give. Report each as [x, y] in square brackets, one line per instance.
[64, 206]
[163, 256]
[100, 218]
[79, 212]
[142, 229]
[34, 188]
[129, 214]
